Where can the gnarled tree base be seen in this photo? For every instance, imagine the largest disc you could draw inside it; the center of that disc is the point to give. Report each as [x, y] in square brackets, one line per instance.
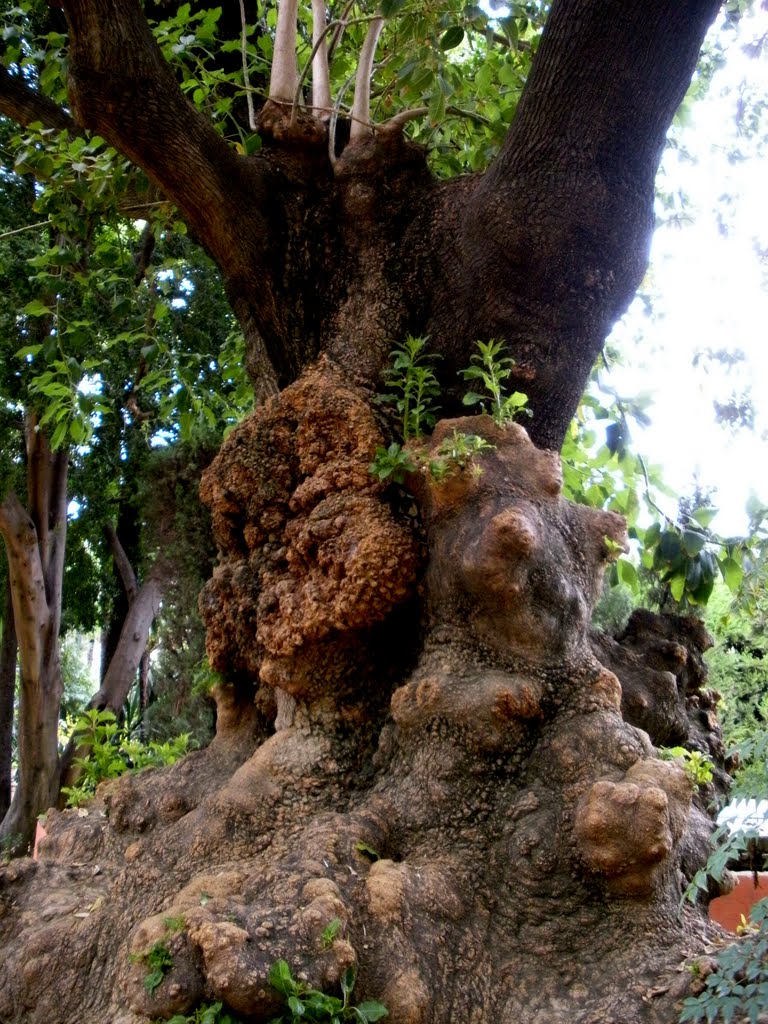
[431, 749]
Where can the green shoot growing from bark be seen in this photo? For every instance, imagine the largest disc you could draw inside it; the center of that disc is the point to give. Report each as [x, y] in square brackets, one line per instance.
[492, 369]
[309, 1004]
[414, 387]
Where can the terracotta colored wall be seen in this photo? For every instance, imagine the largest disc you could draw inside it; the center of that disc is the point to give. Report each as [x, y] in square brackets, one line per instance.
[727, 910]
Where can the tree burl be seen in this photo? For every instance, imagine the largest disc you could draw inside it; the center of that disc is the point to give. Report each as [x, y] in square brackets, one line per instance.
[495, 837]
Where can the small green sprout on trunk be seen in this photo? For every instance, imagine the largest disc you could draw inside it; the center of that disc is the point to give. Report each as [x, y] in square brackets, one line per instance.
[492, 369]
[310, 1004]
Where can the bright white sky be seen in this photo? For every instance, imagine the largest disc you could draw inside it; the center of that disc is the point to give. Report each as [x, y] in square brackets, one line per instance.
[709, 290]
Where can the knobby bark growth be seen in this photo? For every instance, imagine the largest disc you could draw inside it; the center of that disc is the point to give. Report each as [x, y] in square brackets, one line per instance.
[418, 734]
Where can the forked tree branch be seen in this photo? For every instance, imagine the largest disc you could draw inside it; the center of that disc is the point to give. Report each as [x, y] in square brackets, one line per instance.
[284, 76]
[24, 106]
[361, 107]
[122, 87]
[321, 83]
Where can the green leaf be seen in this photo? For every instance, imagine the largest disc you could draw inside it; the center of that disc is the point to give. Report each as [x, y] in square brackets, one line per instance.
[372, 1011]
[693, 542]
[677, 586]
[296, 1006]
[37, 308]
[628, 573]
[732, 572]
[367, 850]
[281, 979]
[704, 516]
[452, 38]
[390, 7]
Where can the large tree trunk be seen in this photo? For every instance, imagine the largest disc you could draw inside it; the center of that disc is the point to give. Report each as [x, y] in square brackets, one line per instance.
[8, 648]
[34, 544]
[419, 737]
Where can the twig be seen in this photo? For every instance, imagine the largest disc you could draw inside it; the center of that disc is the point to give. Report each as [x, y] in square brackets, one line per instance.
[243, 48]
[27, 227]
[361, 107]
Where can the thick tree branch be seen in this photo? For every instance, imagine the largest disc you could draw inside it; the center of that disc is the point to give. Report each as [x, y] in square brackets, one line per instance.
[361, 108]
[30, 608]
[122, 87]
[563, 218]
[24, 106]
[122, 564]
[282, 82]
[121, 673]
[321, 85]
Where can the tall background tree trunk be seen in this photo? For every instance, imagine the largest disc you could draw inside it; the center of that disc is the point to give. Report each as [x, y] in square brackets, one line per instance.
[35, 543]
[8, 649]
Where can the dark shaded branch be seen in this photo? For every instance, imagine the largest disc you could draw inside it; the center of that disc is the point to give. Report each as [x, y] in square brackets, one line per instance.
[122, 87]
[25, 106]
[8, 656]
[563, 218]
[122, 564]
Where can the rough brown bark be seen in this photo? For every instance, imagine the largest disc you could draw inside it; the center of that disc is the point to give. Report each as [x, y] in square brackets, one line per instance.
[496, 837]
[419, 735]
[8, 649]
[35, 551]
[544, 251]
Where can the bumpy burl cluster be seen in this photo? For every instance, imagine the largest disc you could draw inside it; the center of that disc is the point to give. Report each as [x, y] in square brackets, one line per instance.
[311, 557]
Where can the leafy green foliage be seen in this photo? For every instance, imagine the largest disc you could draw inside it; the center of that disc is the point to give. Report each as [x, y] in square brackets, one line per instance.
[697, 766]
[455, 453]
[737, 670]
[392, 463]
[308, 1004]
[726, 847]
[110, 753]
[491, 369]
[414, 388]
[159, 961]
[738, 988]
[330, 932]
[210, 1013]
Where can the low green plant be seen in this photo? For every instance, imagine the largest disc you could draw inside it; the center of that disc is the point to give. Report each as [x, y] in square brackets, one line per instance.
[330, 932]
[414, 389]
[492, 369]
[210, 1013]
[392, 464]
[310, 1004]
[697, 766]
[108, 753]
[175, 924]
[456, 452]
[727, 846]
[10, 846]
[158, 961]
[738, 988]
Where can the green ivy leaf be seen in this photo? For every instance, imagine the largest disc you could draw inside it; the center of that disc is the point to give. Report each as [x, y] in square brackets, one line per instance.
[693, 542]
[37, 308]
[452, 38]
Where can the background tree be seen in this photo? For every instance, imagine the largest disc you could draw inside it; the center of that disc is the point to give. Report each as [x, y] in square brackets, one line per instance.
[102, 325]
[417, 737]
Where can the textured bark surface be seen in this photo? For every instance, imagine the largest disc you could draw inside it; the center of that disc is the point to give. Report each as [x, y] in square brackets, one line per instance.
[8, 649]
[34, 545]
[544, 251]
[419, 736]
[496, 836]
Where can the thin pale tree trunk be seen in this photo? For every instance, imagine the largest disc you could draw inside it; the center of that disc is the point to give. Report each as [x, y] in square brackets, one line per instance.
[124, 665]
[35, 542]
[8, 654]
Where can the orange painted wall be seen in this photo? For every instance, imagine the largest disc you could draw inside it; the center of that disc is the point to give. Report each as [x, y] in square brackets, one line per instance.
[727, 910]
